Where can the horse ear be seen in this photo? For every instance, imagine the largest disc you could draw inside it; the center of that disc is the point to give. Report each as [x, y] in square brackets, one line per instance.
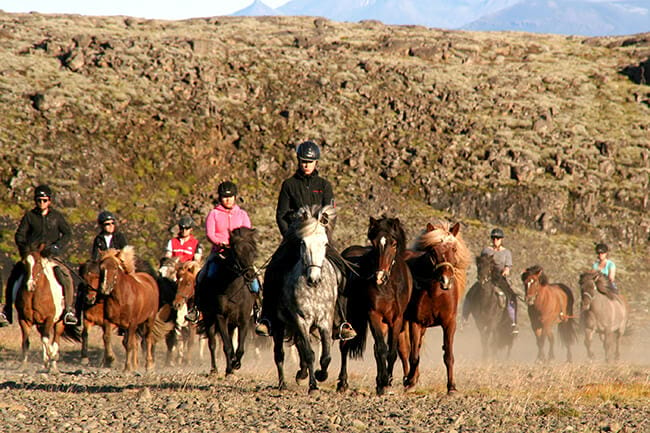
[455, 229]
[372, 221]
[430, 227]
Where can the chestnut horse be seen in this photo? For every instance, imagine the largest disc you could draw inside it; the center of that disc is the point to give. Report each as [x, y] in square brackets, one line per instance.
[439, 268]
[184, 331]
[603, 313]
[92, 304]
[378, 297]
[549, 305]
[131, 302]
[39, 303]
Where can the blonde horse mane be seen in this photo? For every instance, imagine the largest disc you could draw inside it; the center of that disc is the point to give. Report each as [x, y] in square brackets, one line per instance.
[439, 234]
[125, 256]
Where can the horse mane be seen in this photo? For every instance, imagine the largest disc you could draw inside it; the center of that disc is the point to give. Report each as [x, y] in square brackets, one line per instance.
[126, 256]
[307, 220]
[597, 277]
[191, 266]
[462, 258]
[244, 239]
[393, 226]
[535, 269]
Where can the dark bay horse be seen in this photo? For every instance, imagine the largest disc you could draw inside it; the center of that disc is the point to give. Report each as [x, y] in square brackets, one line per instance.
[549, 305]
[488, 307]
[602, 313]
[91, 303]
[308, 295]
[131, 302]
[227, 302]
[378, 297]
[439, 268]
[39, 302]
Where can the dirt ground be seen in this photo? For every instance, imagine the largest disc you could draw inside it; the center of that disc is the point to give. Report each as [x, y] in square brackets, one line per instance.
[500, 395]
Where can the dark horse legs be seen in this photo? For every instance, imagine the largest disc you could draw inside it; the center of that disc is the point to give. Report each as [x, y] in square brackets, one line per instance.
[278, 354]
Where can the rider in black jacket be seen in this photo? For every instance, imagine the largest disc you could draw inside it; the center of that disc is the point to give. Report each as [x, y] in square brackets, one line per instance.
[109, 237]
[42, 225]
[304, 188]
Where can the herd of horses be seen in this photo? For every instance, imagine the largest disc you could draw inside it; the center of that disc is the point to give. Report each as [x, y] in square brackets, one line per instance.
[392, 292]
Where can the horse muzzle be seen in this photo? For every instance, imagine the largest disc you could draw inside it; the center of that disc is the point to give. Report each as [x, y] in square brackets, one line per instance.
[530, 300]
[313, 275]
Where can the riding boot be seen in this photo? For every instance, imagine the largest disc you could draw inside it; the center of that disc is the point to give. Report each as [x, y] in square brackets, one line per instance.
[512, 313]
[342, 328]
[257, 307]
[63, 277]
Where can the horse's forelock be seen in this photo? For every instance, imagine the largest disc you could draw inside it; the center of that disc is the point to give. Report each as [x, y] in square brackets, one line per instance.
[392, 226]
[125, 256]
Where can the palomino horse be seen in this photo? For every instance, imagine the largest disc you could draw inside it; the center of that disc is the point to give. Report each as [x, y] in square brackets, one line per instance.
[308, 295]
[439, 269]
[603, 313]
[487, 304]
[378, 297]
[227, 303]
[184, 331]
[39, 302]
[548, 305]
[131, 301]
[92, 305]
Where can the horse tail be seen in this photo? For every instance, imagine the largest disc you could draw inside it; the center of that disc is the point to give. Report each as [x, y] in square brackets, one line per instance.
[357, 315]
[162, 325]
[72, 333]
[568, 329]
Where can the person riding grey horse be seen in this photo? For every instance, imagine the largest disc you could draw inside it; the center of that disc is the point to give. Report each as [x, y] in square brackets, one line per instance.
[606, 267]
[47, 226]
[305, 188]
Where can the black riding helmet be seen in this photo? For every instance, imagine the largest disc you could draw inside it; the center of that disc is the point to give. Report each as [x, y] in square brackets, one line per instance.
[186, 222]
[105, 216]
[602, 248]
[227, 189]
[42, 191]
[308, 151]
[497, 233]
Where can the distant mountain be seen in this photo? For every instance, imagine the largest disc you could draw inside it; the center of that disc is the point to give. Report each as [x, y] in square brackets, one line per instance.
[587, 18]
[257, 9]
[580, 17]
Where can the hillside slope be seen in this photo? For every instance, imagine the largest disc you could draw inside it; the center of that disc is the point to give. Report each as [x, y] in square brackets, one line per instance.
[541, 134]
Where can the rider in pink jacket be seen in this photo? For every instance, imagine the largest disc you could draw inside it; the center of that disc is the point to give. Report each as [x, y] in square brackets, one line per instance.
[221, 221]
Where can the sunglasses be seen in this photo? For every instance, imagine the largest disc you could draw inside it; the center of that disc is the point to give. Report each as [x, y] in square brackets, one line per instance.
[110, 223]
[42, 200]
[184, 228]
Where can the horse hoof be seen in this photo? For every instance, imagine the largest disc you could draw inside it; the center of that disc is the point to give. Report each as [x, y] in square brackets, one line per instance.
[213, 372]
[85, 361]
[381, 390]
[236, 365]
[301, 375]
[282, 386]
[452, 392]
[313, 391]
[342, 387]
[321, 375]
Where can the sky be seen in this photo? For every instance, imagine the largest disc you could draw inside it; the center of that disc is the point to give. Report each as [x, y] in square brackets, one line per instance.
[154, 9]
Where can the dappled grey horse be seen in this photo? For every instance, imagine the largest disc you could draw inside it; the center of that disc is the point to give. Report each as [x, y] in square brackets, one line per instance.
[308, 295]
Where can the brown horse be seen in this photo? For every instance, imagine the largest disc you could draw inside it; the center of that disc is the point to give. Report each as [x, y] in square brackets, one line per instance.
[439, 268]
[378, 296]
[92, 305]
[131, 301]
[39, 303]
[184, 331]
[548, 305]
[603, 313]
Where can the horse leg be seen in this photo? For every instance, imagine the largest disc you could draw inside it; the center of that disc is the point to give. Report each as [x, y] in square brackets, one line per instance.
[306, 355]
[54, 353]
[342, 384]
[607, 344]
[150, 340]
[109, 356]
[84, 342]
[326, 355]
[278, 353]
[212, 345]
[417, 334]
[131, 348]
[393, 345]
[241, 344]
[171, 341]
[24, 327]
[47, 340]
[403, 350]
[589, 335]
[617, 342]
[189, 337]
[381, 352]
[539, 335]
[448, 333]
[226, 339]
[551, 345]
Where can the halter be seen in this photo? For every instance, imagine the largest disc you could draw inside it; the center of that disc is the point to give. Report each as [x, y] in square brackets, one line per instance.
[114, 279]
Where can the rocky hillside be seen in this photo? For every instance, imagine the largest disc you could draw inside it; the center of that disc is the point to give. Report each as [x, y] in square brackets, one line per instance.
[548, 136]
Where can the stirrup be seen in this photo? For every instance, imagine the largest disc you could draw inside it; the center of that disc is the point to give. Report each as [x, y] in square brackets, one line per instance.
[192, 315]
[70, 319]
[346, 331]
[3, 320]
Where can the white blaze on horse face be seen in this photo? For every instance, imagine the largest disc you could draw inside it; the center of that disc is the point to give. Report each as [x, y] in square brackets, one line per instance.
[313, 255]
[30, 273]
[381, 272]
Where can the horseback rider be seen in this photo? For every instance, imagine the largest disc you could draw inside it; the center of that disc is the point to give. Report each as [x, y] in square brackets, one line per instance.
[503, 260]
[606, 266]
[109, 237]
[224, 218]
[304, 188]
[184, 246]
[45, 225]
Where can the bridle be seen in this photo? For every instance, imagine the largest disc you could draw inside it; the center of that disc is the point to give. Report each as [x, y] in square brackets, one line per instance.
[102, 276]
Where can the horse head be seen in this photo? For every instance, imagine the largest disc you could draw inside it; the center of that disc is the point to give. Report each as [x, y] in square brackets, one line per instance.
[243, 252]
[388, 240]
[533, 279]
[448, 254]
[312, 230]
[111, 266]
[590, 282]
[185, 279]
[169, 267]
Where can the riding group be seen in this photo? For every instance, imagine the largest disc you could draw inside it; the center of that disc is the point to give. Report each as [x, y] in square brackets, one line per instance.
[310, 288]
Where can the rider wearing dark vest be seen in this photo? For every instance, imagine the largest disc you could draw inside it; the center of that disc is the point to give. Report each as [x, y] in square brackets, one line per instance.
[304, 188]
[109, 237]
[42, 225]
